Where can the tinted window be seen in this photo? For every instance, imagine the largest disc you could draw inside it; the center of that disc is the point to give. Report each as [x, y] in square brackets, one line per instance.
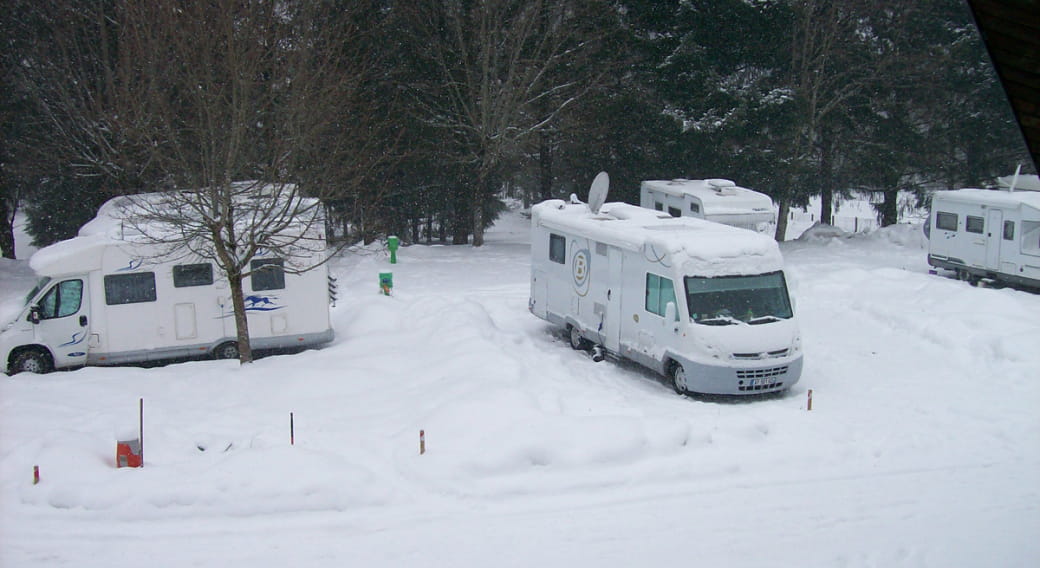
[129, 288]
[675, 212]
[659, 206]
[267, 274]
[557, 249]
[725, 300]
[974, 224]
[185, 275]
[695, 208]
[946, 221]
[63, 300]
[659, 291]
[1009, 230]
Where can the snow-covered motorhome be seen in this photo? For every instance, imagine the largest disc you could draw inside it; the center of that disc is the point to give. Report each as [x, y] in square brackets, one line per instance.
[109, 297]
[702, 303]
[984, 233]
[718, 200]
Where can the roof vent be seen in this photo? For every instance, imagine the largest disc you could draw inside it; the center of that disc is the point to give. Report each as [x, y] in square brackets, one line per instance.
[722, 186]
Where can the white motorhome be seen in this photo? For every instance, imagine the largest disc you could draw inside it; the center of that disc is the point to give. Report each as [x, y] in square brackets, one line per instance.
[106, 298]
[718, 200]
[983, 233]
[702, 303]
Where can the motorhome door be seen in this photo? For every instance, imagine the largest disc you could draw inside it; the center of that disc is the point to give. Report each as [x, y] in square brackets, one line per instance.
[612, 322]
[62, 321]
[994, 228]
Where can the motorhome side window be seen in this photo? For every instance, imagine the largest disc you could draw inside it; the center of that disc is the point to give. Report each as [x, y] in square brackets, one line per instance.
[185, 275]
[659, 291]
[557, 248]
[129, 288]
[62, 300]
[695, 208]
[267, 274]
[675, 212]
[659, 206]
[946, 221]
[974, 224]
[1009, 230]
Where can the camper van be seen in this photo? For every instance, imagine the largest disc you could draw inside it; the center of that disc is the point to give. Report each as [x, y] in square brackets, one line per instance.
[704, 304]
[106, 297]
[983, 233]
[718, 200]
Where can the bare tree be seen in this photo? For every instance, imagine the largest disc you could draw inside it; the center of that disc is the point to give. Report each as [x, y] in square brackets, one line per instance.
[491, 79]
[224, 91]
[828, 71]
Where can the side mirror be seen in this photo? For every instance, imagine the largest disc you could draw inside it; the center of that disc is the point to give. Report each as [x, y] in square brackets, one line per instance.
[671, 316]
[34, 314]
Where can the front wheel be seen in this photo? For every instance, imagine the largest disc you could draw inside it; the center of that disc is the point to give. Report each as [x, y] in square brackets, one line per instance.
[678, 376]
[32, 361]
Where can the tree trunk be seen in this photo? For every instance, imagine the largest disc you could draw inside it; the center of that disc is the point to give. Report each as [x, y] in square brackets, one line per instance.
[478, 216]
[545, 165]
[781, 221]
[245, 351]
[6, 231]
[826, 177]
[890, 208]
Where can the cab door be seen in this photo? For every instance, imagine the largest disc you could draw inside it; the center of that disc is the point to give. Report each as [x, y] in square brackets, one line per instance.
[61, 321]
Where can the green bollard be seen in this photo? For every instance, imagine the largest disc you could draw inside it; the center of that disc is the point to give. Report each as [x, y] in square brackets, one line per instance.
[386, 282]
[392, 243]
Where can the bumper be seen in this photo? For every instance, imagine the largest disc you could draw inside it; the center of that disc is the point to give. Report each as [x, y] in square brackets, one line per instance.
[769, 376]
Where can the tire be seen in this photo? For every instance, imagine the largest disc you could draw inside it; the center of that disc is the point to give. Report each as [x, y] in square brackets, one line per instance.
[227, 350]
[32, 361]
[968, 277]
[576, 340]
[678, 376]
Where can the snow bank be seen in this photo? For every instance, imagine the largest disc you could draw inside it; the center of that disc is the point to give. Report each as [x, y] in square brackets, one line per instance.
[920, 449]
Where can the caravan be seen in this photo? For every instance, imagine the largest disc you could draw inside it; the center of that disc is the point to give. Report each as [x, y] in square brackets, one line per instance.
[702, 303]
[718, 200]
[982, 233]
[105, 298]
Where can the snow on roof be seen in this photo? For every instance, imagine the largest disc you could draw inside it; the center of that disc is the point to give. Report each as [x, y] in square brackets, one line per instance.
[700, 247]
[110, 226]
[717, 196]
[75, 255]
[992, 197]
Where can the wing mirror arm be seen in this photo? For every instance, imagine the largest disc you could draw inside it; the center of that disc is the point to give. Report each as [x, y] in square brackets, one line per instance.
[34, 314]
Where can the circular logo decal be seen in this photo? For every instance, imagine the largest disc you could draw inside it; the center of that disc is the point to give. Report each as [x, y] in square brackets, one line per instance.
[580, 264]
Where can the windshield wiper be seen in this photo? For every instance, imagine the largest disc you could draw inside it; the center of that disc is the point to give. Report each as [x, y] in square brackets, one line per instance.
[764, 319]
[719, 320]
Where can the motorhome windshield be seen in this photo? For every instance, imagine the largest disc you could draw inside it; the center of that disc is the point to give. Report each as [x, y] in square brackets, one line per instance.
[36, 289]
[731, 300]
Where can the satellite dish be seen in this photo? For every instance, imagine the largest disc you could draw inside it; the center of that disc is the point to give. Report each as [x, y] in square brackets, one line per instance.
[598, 191]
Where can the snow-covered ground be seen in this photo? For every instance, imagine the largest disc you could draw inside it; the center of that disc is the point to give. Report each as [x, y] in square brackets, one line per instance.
[922, 447]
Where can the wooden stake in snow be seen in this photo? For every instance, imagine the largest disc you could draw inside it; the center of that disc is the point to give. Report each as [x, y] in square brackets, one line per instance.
[36, 475]
[422, 442]
[808, 405]
[140, 426]
[292, 431]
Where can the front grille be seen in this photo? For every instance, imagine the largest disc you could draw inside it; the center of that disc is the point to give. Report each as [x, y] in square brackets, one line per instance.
[761, 355]
[761, 379]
